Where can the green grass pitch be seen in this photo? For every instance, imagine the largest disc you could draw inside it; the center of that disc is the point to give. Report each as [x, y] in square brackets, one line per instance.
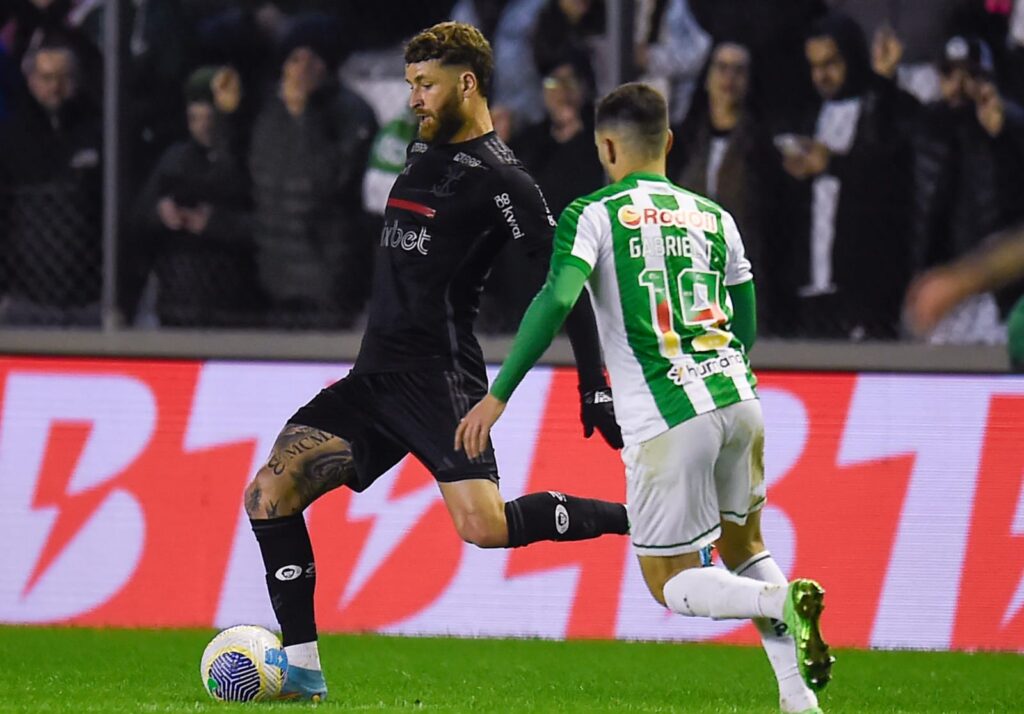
[82, 670]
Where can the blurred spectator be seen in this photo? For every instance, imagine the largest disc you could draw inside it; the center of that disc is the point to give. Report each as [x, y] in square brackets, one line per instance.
[847, 213]
[921, 27]
[29, 24]
[570, 28]
[243, 36]
[387, 160]
[559, 150]
[774, 32]
[50, 184]
[559, 153]
[515, 99]
[1000, 24]
[193, 226]
[307, 155]
[156, 51]
[671, 48]
[970, 159]
[722, 151]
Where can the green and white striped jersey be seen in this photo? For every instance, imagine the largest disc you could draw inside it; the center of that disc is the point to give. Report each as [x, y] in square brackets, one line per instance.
[659, 259]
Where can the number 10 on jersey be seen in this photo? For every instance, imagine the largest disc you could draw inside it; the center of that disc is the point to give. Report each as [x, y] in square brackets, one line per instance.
[699, 305]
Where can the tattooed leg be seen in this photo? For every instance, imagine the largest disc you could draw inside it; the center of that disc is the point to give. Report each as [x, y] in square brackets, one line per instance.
[304, 464]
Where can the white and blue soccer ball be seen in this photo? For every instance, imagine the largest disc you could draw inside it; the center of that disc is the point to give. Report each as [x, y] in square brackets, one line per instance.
[244, 663]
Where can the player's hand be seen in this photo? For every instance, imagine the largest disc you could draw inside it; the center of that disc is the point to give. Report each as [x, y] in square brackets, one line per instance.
[990, 111]
[196, 219]
[227, 90]
[598, 412]
[169, 214]
[474, 431]
[931, 297]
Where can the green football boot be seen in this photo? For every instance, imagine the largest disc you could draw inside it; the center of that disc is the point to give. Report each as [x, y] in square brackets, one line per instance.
[805, 600]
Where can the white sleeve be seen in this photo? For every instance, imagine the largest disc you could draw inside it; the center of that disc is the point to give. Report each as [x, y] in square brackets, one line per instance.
[737, 267]
[579, 232]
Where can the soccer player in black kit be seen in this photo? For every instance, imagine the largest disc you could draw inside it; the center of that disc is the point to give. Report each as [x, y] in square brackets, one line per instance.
[461, 197]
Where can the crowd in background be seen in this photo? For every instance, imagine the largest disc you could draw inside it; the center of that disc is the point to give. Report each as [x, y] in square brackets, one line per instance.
[856, 142]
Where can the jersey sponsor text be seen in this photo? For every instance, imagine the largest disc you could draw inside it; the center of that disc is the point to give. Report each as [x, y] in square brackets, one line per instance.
[393, 236]
[633, 217]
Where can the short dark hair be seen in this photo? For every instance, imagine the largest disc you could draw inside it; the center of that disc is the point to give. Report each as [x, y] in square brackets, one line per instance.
[639, 108]
[454, 43]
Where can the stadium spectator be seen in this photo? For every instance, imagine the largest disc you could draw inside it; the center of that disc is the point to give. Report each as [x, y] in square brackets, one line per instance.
[970, 157]
[194, 228]
[559, 153]
[1000, 25]
[722, 151]
[156, 50]
[670, 50]
[917, 27]
[571, 28]
[307, 155]
[387, 159]
[28, 24]
[50, 184]
[509, 25]
[774, 32]
[559, 150]
[846, 210]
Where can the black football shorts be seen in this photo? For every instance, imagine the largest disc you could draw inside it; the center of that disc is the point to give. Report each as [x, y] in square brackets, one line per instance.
[386, 415]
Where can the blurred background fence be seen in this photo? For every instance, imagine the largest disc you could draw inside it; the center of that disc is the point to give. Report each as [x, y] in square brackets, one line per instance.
[208, 177]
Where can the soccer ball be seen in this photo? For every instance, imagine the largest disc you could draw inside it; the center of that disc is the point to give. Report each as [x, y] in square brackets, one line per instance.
[244, 663]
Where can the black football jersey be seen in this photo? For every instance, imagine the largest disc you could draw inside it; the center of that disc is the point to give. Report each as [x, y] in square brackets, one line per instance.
[449, 213]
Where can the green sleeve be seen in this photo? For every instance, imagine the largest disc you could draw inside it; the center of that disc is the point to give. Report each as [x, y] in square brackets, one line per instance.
[744, 313]
[541, 322]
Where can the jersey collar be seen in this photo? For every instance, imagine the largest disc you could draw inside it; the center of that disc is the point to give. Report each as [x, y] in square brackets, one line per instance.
[645, 176]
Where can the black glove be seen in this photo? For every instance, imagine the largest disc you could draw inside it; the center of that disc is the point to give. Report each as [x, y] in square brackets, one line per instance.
[597, 412]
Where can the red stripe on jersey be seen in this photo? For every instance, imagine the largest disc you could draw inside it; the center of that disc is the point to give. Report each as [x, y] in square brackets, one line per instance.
[412, 206]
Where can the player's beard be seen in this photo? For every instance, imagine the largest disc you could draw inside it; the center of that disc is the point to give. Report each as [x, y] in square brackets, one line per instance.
[445, 123]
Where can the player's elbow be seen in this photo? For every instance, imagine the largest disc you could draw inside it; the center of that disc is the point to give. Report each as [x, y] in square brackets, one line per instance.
[564, 303]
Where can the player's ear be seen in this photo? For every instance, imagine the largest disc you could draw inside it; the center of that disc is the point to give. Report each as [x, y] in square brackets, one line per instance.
[668, 142]
[467, 83]
[609, 148]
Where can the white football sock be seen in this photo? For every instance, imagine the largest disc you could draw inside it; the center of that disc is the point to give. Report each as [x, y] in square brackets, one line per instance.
[305, 655]
[794, 695]
[717, 593]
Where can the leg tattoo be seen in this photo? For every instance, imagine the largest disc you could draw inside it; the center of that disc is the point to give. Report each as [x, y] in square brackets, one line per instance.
[304, 464]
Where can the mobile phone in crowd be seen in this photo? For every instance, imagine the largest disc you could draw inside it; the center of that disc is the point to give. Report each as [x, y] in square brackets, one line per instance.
[788, 144]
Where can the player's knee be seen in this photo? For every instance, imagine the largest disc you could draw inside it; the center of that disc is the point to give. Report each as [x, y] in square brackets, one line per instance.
[270, 496]
[734, 554]
[657, 571]
[482, 529]
[657, 589]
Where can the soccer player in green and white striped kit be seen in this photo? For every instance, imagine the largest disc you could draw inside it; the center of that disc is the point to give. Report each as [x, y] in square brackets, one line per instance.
[674, 298]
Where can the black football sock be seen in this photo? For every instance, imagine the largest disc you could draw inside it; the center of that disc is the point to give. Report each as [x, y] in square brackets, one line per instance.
[291, 575]
[554, 516]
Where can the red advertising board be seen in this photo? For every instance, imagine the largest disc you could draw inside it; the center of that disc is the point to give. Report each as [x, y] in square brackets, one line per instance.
[121, 483]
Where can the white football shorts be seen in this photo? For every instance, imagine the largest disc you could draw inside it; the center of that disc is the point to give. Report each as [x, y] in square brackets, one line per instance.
[683, 482]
